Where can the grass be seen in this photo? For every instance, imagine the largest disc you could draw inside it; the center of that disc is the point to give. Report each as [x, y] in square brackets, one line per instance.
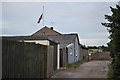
[74, 65]
[110, 72]
[77, 64]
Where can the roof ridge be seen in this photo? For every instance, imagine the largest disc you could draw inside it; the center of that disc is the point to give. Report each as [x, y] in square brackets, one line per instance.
[47, 28]
[71, 34]
[54, 30]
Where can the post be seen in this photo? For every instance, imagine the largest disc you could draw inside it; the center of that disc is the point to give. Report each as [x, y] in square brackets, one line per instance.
[58, 56]
[43, 16]
[43, 21]
[1, 58]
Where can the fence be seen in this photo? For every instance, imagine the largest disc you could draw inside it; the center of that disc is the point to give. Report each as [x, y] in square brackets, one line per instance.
[84, 54]
[101, 55]
[50, 61]
[55, 54]
[23, 60]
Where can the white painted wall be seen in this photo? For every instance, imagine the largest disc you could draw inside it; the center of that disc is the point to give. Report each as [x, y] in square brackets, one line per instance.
[58, 56]
[43, 42]
[70, 53]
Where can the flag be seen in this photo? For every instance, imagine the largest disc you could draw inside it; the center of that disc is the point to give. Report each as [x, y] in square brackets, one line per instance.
[40, 18]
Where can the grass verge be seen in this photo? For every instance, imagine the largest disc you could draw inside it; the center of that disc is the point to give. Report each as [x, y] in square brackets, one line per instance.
[74, 65]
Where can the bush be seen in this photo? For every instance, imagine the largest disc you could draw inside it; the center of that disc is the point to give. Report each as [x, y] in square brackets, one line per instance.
[116, 66]
[110, 71]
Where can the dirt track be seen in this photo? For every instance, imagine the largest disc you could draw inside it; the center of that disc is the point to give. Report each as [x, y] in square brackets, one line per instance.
[93, 69]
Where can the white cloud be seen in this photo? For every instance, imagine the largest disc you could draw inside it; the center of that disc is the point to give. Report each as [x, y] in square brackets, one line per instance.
[7, 35]
[95, 42]
[83, 18]
[0, 18]
[59, 0]
[0, 26]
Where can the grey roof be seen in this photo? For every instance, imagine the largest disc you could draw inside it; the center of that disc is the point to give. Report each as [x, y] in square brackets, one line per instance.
[28, 38]
[64, 39]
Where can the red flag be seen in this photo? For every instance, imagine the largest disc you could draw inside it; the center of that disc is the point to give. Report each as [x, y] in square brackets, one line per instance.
[40, 18]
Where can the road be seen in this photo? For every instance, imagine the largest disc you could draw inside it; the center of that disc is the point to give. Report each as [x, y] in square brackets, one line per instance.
[92, 69]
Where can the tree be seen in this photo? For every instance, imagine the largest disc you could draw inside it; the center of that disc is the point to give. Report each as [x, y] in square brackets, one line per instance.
[113, 27]
[104, 48]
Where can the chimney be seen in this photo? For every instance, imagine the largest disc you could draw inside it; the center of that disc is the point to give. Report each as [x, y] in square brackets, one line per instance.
[51, 28]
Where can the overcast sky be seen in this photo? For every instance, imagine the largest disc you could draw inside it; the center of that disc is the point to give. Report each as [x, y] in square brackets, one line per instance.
[84, 18]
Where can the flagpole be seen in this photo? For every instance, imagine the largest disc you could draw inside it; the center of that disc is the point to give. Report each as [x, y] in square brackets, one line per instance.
[43, 16]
